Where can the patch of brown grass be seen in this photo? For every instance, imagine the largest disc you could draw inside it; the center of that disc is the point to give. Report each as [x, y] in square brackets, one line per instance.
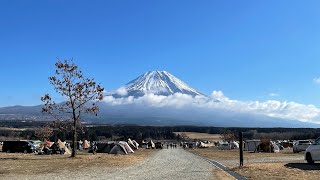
[204, 136]
[283, 169]
[32, 164]
[279, 171]
[221, 175]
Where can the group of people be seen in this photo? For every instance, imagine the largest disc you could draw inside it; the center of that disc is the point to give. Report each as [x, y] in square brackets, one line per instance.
[172, 146]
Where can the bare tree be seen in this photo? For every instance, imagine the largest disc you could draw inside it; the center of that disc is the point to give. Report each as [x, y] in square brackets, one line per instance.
[44, 132]
[228, 136]
[81, 93]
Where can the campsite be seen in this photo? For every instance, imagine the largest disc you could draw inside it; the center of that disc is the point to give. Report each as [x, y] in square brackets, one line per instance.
[112, 156]
[258, 165]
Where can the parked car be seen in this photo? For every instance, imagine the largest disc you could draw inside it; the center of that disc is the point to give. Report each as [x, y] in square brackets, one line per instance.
[301, 145]
[159, 145]
[18, 146]
[313, 152]
[224, 146]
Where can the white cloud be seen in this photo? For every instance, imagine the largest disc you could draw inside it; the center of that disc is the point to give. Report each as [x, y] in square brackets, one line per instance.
[218, 102]
[274, 94]
[316, 80]
[122, 91]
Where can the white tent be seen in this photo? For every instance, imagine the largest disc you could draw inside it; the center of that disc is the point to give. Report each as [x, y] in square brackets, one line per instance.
[204, 145]
[136, 143]
[151, 144]
[234, 145]
[131, 144]
[126, 146]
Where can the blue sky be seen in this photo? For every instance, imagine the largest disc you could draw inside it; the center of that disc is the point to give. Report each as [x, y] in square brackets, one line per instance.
[246, 49]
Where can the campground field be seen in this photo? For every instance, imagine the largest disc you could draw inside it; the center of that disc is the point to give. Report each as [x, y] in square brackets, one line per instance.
[263, 165]
[283, 165]
[18, 164]
[206, 136]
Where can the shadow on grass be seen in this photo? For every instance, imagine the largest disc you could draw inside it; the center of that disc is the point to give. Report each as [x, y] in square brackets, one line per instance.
[303, 166]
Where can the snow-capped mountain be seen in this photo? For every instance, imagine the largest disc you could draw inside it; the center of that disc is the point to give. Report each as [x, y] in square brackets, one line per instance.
[155, 82]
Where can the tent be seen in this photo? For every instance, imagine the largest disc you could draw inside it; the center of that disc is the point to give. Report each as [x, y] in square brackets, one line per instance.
[105, 147]
[131, 144]
[118, 149]
[203, 145]
[67, 151]
[151, 144]
[145, 145]
[126, 146]
[60, 144]
[276, 148]
[251, 145]
[135, 143]
[234, 145]
[86, 144]
[49, 143]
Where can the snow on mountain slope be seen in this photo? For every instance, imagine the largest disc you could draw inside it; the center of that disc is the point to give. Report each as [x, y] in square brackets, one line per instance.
[155, 82]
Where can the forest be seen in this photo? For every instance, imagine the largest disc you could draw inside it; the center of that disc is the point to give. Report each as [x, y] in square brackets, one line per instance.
[99, 132]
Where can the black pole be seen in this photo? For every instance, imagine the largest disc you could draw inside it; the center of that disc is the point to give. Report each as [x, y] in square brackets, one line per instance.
[241, 148]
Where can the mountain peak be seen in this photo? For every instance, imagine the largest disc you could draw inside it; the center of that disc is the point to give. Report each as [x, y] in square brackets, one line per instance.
[155, 82]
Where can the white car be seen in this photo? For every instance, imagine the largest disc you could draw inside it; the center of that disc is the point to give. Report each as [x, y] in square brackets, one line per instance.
[301, 145]
[313, 152]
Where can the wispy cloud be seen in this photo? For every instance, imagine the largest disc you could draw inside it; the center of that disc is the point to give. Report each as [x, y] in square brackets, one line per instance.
[274, 94]
[316, 80]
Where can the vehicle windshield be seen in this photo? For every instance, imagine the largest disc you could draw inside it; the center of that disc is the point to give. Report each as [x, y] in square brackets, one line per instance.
[304, 142]
[317, 141]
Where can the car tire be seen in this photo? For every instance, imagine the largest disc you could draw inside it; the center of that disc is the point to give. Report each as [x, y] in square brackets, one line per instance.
[25, 151]
[309, 159]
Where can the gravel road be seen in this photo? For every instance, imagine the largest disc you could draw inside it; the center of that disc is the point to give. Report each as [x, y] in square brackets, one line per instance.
[166, 164]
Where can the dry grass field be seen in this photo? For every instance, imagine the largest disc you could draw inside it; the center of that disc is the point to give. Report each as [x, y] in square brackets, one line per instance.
[27, 164]
[295, 171]
[284, 165]
[206, 136]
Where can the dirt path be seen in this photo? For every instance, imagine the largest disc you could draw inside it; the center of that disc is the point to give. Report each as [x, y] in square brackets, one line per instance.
[168, 164]
[165, 164]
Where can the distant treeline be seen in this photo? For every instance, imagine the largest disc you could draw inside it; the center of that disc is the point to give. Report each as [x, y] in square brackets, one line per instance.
[26, 130]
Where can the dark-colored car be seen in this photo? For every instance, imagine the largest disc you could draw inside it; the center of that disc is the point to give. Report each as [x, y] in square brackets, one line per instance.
[159, 145]
[18, 146]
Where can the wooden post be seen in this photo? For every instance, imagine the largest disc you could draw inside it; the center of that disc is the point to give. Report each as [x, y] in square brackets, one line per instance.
[241, 148]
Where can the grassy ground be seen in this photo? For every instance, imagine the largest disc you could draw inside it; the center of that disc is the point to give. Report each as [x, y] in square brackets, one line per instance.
[284, 165]
[209, 137]
[33, 164]
[280, 171]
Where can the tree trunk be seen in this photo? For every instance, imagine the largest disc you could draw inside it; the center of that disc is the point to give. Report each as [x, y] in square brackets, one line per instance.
[74, 139]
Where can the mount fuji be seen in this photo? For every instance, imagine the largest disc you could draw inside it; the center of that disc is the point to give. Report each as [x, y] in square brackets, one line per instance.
[159, 98]
[154, 82]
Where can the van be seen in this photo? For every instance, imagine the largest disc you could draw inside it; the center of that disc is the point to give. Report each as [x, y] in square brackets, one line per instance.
[18, 146]
[313, 152]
